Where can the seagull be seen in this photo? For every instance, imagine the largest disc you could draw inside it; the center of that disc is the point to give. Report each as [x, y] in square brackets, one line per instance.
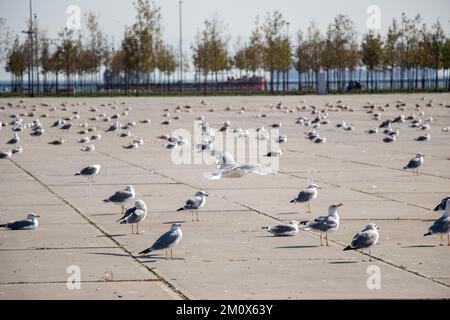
[287, 230]
[325, 224]
[415, 163]
[307, 195]
[31, 223]
[89, 172]
[442, 206]
[88, 148]
[231, 169]
[195, 203]
[15, 139]
[442, 225]
[57, 142]
[425, 137]
[389, 139]
[17, 150]
[167, 241]
[5, 154]
[134, 215]
[273, 154]
[121, 197]
[365, 239]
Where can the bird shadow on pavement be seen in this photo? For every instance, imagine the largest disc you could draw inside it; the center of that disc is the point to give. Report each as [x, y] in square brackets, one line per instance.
[104, 214]
[110, 254]
[156, 258]
[342, 262]
[419, 246]
[297, 247]
[172, 222]
[112, 235]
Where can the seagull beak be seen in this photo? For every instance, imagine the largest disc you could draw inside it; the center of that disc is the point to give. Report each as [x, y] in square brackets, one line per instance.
[340, 205]
[38, 216]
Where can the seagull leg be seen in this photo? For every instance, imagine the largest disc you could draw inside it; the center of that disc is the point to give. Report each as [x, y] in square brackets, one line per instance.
[171, 254]
[192, 216]
[448, 239]
[442, 242]
[137, 228]
[196, 213]
[326, 238]
[321, 239]
[167, 258]
[132, 229]
[370, 255]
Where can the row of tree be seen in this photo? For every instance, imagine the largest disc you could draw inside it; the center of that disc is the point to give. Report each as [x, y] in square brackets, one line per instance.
[411, 54]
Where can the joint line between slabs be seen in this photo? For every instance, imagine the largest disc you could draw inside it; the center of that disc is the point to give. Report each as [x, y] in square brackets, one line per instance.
[166, 282]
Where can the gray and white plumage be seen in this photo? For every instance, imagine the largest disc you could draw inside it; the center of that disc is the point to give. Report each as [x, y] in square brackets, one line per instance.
[415, 163]
[307, 195]
[325, 223]
[286, 230]
[5, 154]
[30, 223]
[440, 226]
[135, 214]
[196, 202]
[442, 206]
[228, 168]
[15, 139]
[89, 170]
[167, 241]
[365, 239]
[120, 197]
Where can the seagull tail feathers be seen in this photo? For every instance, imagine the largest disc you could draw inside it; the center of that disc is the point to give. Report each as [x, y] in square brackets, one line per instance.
[265, 228]
[145, 251]
[347, 248]
[293, 201]
[427, 234]
[2, 225]
[181, 209]
[106, 200]
[78, 174]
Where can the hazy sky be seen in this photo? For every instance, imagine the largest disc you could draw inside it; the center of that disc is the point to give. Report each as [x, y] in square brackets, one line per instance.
[238, 15]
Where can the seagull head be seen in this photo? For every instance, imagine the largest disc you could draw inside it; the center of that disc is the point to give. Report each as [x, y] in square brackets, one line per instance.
[371, 226]
[293, 222]
[420, 155]
[201, 194]
[313, 186]
[334, 207]
[175, 226]
[32, 216]
[139, 204]
[129, 189]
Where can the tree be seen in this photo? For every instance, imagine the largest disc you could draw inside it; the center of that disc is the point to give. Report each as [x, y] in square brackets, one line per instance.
[371, 53]
[390, 50]
[437, 38]
[17, 61]
[272, 29]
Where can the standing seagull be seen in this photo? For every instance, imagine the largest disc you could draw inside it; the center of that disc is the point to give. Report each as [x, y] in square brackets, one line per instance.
[307, 196]
[442, 206]
[325, 224]
[90, 172]
[31, 223]
[365, 239]
[135, 215]
[441, 225]
[167, 241]
[15, 139]
[415, 163]
[287, 230]
[122, 197]
[195, 203]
